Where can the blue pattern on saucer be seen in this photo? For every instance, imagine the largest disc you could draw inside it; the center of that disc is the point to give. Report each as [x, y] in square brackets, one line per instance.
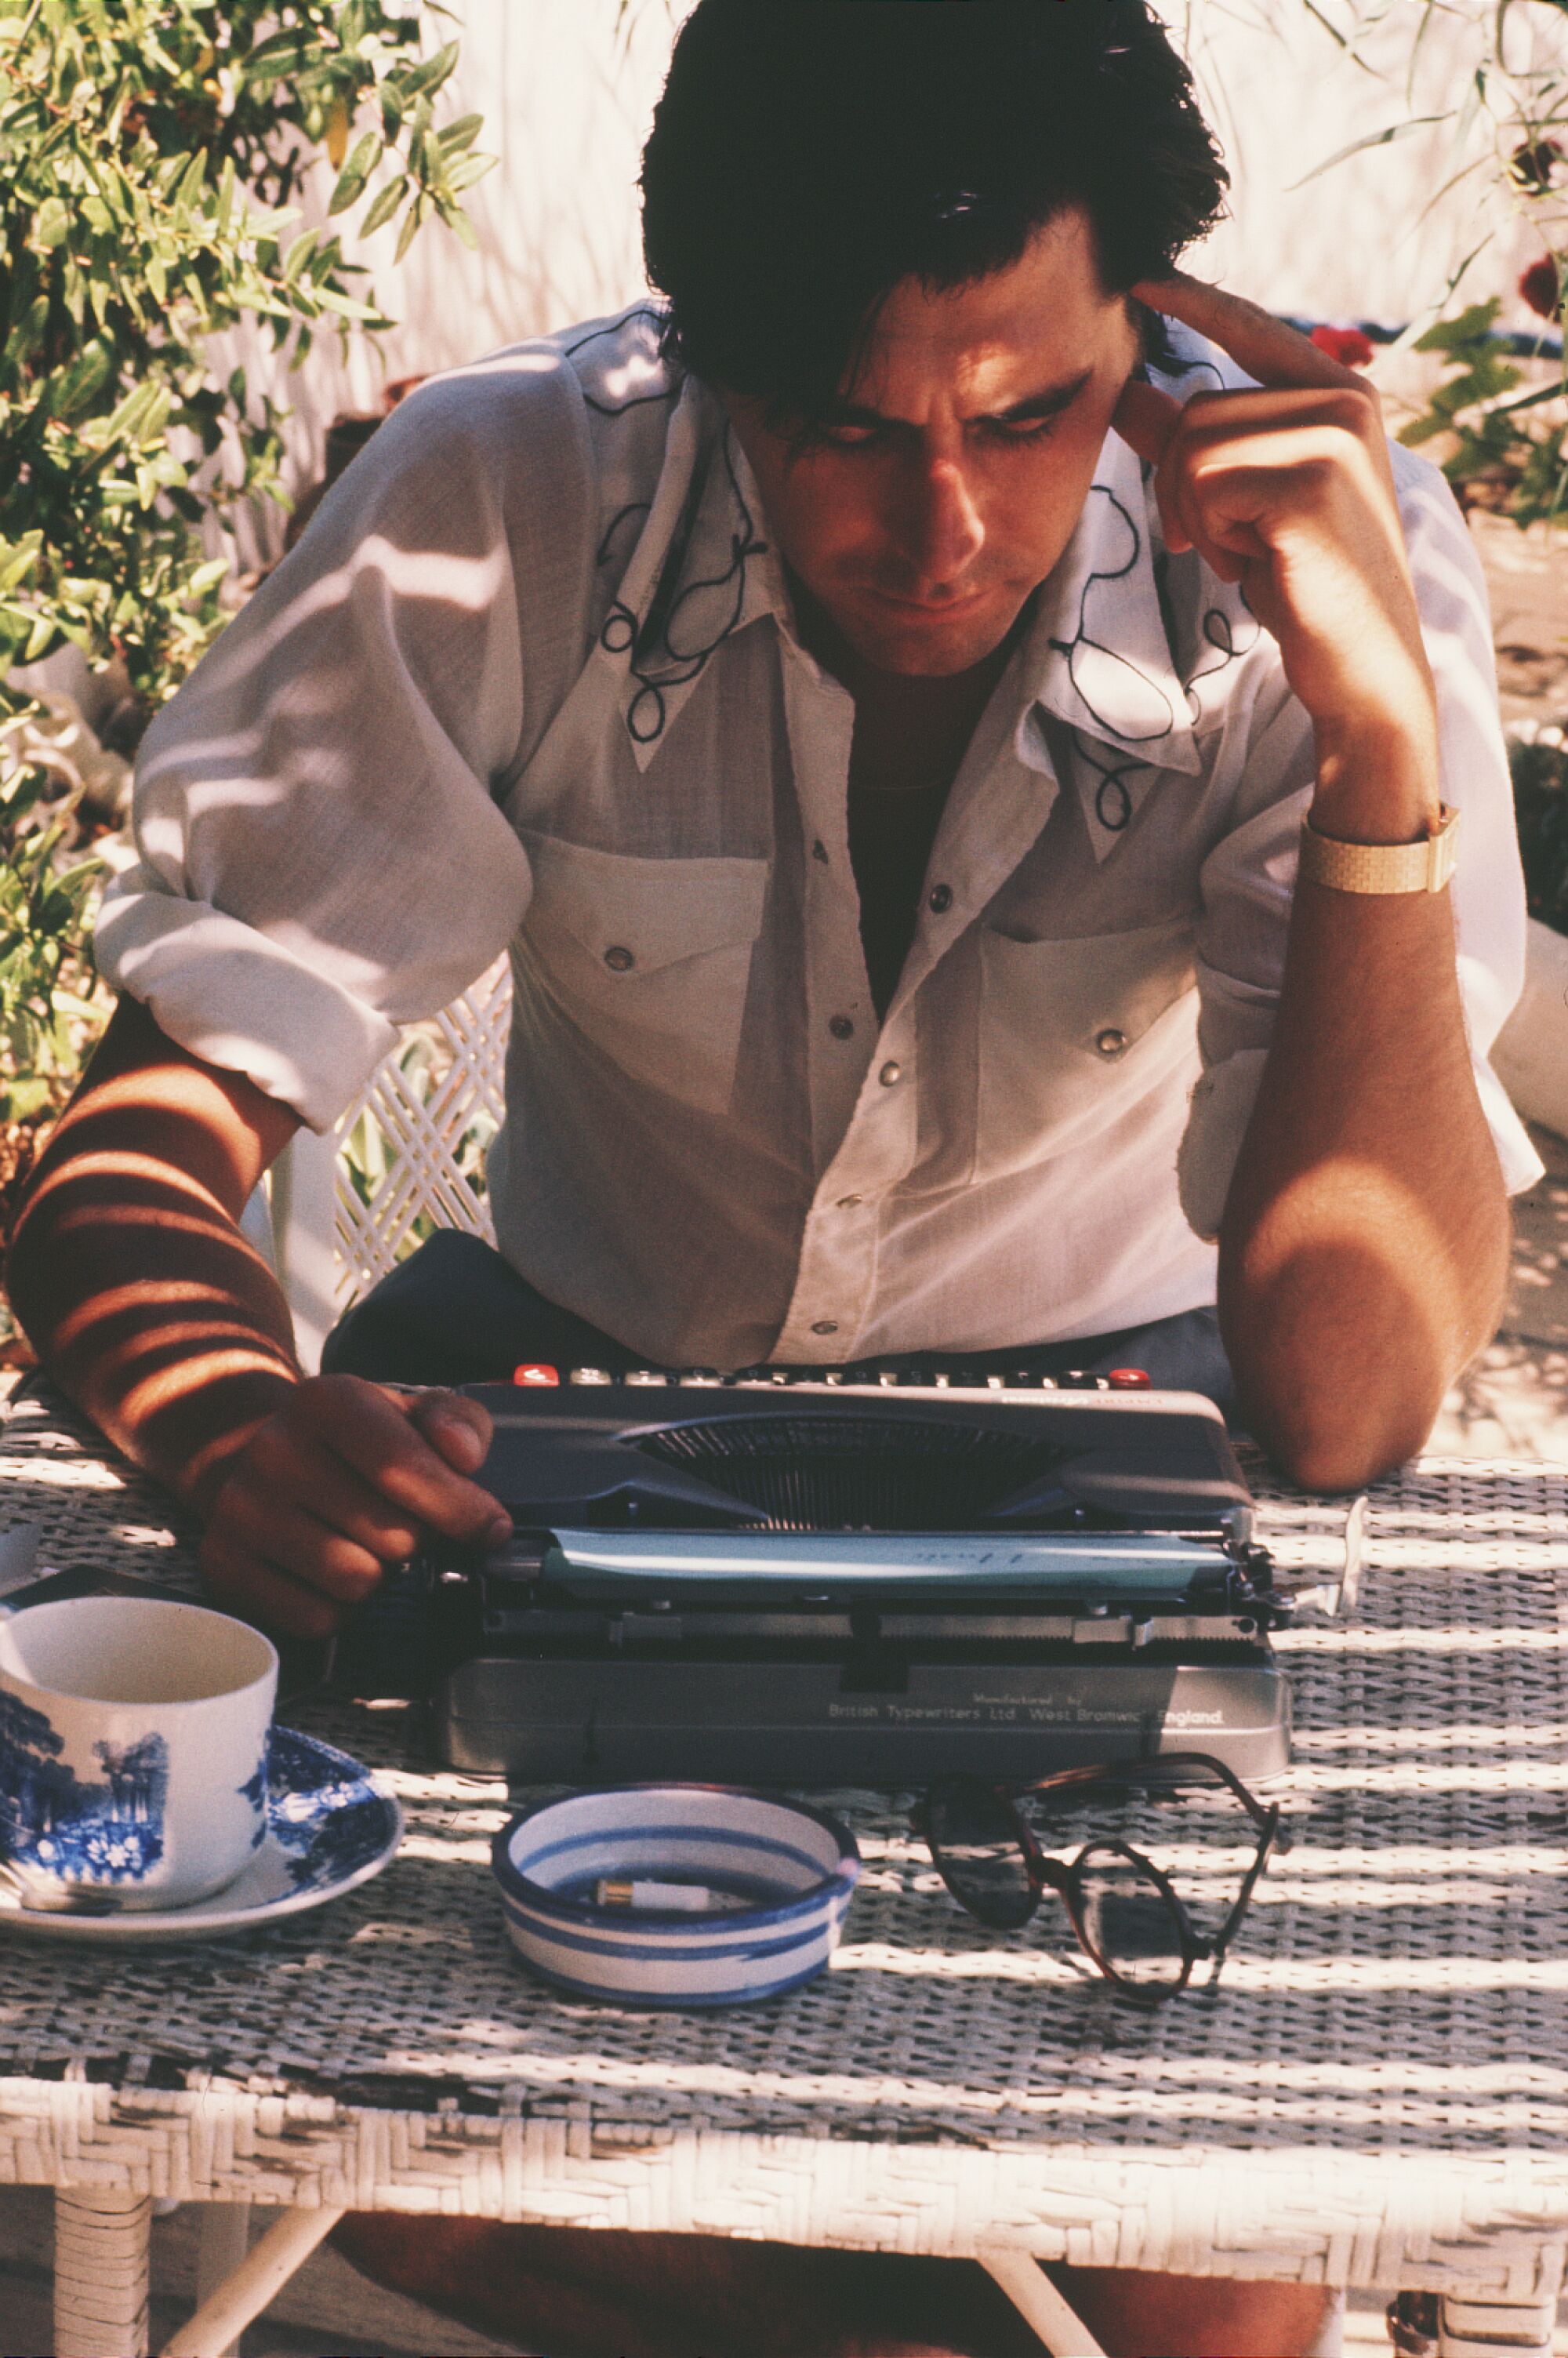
[322, 1809]
[254, 1790]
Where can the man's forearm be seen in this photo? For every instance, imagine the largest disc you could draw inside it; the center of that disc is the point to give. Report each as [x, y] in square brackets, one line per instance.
[1364, 1249]
[131, 1277]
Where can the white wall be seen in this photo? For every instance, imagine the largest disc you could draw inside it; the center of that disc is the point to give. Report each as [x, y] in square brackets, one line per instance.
[566, 105]
[1378, 236]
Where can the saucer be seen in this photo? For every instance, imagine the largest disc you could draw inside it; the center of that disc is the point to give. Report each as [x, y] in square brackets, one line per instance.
[328, 1829]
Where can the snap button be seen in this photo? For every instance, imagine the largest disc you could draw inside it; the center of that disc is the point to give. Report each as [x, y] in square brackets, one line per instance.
[842, 1028]
[891, 1075]
[826, 1326]
[849, 1202]
[1111, 1044]
[941, 899]
[619, 959]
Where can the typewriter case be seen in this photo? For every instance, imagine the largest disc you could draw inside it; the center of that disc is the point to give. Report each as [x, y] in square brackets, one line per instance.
[803, 1579]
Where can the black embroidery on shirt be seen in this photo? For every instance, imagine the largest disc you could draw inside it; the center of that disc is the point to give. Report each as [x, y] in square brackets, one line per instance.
[1113, 814]
[657, 661]
[605, 550]
[638, 400]
[1113, 795]
[620, 633]
[1080, 639]
[646, 715]
[1219, 631]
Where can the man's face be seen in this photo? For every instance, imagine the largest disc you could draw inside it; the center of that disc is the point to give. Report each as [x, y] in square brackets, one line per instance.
[948, 478]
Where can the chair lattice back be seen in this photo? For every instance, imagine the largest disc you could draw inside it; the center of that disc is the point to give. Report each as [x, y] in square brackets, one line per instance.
[412, 1157]
[406, 1159]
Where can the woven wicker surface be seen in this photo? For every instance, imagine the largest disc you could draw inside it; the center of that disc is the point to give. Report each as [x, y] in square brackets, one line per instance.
[1397, 1997]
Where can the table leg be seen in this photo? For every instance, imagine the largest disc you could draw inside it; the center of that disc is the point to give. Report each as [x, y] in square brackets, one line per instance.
[1461, 2325]
[1061, 2330]
[254, 2284]
[100, 2240]
[1490, 2329]
[222, 2242]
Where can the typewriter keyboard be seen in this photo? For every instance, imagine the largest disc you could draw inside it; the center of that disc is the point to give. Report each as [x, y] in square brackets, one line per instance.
[954, 1378]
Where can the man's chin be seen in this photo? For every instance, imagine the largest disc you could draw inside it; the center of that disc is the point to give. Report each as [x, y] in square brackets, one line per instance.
[925, 642]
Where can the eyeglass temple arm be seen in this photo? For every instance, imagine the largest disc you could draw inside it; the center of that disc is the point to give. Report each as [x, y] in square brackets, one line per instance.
[1262, 1814]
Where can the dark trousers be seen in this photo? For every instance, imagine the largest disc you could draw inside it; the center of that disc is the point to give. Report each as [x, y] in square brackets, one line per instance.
[455, 1313]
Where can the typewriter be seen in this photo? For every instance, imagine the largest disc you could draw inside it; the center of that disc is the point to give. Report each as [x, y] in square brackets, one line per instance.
[843, 1575]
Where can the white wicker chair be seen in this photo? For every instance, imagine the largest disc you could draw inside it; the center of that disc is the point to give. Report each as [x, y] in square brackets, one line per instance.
[406, 1157]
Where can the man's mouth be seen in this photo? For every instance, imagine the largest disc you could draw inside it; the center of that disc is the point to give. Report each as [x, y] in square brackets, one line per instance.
[934, 609]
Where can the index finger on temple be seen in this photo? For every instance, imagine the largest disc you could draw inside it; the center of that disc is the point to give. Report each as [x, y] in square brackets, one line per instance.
[1267, 348]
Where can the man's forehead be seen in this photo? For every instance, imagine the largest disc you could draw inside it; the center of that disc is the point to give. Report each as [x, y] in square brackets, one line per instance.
[1024, 330]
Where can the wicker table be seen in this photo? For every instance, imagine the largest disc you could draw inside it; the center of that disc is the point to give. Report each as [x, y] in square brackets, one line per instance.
[1377, 2095]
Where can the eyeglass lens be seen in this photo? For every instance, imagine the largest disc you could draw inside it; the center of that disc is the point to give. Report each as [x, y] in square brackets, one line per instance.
[974, 1836]
[1127, 1922]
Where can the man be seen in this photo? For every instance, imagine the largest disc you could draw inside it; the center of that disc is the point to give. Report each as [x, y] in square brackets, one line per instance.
[877, 701]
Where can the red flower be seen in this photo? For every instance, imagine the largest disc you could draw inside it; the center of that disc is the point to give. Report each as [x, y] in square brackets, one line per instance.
[1540, 288]
[1348, 346]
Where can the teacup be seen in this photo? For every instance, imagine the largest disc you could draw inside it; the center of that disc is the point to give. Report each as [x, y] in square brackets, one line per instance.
[132, 1749]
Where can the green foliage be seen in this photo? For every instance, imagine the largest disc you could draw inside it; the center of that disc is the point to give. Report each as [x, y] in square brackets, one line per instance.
[151, 155]
[1500, 132]
[1540, 799]
[151, 149]
[43, 905]
[1501, 453]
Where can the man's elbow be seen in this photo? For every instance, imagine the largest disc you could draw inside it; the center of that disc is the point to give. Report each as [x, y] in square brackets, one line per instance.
[1331, 1454]
[1346, 1425]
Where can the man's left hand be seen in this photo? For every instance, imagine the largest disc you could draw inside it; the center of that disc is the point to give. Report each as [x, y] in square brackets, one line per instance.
[1287, 490]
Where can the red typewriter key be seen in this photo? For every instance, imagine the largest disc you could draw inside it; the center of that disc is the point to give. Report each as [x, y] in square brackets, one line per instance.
[1130, 1379]
[532, 1375]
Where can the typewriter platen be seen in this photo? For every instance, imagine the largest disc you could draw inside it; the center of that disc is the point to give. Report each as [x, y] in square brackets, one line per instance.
[835, 1576]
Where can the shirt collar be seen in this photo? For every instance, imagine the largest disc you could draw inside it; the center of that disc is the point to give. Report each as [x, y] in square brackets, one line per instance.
[702, 570]
[1099, 678]
[1097, 657]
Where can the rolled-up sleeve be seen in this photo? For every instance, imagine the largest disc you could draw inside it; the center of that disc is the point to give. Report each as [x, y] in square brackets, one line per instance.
[1249, 879]
[320, 853]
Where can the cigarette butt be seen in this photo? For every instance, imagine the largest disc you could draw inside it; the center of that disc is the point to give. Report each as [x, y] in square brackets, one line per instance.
[689, 1899]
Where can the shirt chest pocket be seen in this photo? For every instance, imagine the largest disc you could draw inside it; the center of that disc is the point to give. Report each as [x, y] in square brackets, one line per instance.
[1072, 1033]
[650, 959]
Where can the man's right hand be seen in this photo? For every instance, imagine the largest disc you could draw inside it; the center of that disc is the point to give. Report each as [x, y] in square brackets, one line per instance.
[343, 1480]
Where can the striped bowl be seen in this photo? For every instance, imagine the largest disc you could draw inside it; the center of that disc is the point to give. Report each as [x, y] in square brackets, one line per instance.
[789, 1871]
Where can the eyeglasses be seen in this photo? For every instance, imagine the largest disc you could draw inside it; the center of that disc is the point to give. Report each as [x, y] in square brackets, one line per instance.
[1130, 1921]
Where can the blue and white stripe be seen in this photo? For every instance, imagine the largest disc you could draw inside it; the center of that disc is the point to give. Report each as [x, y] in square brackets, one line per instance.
[790, 1869]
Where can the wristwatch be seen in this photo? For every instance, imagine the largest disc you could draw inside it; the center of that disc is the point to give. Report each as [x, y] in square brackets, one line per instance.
[1382, 867]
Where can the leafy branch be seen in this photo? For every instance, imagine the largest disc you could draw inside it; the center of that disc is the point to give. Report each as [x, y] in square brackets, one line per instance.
[153, 156]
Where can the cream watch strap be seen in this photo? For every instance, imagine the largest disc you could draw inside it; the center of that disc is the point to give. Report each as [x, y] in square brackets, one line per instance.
[1382, 867]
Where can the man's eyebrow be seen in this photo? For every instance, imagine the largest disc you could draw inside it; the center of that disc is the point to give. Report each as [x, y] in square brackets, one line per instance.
[1049, 402]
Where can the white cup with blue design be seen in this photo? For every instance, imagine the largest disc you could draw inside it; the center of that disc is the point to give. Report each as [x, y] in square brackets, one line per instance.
[133, 1751]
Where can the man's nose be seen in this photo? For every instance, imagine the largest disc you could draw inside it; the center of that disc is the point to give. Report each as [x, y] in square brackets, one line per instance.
[943, 532]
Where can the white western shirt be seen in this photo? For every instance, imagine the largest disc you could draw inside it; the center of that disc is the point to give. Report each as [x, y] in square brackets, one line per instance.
[531, 682]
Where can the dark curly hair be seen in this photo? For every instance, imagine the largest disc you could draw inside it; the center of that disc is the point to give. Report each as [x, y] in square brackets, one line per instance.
[807, 155]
